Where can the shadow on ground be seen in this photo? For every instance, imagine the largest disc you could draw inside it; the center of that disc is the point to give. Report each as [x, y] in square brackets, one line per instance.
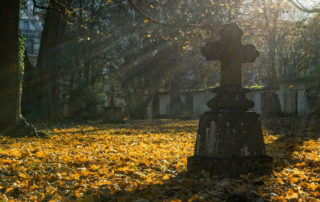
[189, 187]
[295, 150]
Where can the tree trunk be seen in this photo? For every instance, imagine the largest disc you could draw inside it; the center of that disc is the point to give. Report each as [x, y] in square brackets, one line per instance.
[50, 61]
[176, 105]
[28, 98]
[9, 66]
[11, 121]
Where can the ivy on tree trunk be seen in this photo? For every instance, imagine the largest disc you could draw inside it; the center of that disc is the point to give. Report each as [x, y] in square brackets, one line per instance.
[11, 121]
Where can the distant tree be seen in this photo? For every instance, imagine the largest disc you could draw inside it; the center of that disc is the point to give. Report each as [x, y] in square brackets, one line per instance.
[45, 86]
[99, 42]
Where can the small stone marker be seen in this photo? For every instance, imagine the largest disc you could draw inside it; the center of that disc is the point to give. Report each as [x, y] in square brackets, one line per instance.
[229, 140]
[113, 114]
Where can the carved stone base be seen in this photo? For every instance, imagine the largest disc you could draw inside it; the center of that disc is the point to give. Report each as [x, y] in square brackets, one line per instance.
[230, 98]
[229, 142]
[230, 166]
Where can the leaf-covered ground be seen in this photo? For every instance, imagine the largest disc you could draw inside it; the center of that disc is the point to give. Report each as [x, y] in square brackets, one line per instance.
[146, 160]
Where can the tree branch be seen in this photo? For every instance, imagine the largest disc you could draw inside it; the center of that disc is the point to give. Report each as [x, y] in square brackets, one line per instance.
[138, 10]
[35, 5]
[299, 6]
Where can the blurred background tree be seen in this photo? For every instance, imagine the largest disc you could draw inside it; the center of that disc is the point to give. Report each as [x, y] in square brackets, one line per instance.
[143, 47]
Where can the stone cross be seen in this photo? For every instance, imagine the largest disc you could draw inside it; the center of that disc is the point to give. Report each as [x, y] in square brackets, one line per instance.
[229, 140]
[231, 53]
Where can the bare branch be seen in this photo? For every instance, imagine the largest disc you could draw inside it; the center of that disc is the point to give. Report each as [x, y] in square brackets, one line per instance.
[134, 7]
[60, 7]
[35, 5]
[299, 6]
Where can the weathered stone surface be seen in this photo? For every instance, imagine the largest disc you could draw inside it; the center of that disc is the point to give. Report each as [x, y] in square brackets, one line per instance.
[231, 53]
[230, 143]
[270, 105]
[229, 134]
[232, 98]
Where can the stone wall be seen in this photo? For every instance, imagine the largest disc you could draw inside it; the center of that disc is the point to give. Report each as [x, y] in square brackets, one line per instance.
[164, 100]
[288, 100]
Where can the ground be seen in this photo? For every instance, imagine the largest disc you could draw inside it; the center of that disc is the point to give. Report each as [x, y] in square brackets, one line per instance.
[146, 160]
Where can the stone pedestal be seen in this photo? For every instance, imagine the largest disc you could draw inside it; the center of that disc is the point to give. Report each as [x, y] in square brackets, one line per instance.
[229, 143]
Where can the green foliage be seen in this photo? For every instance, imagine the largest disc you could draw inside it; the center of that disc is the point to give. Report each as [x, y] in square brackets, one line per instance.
[22, 50]
[255, 86]
[21, 63]
[110, 43]
[83, 103]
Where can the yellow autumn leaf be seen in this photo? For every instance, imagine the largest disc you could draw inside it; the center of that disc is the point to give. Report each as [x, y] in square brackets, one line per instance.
[131, 158]
[291, 194]
[77, 194]
[279, 180]
[23, 175]
[40, 154]
[9, 190]
[166, 177]
[149, 180]
[76, 176]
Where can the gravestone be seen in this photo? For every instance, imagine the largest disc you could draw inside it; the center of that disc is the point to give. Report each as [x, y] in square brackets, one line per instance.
[113, 114]
[229, 139]
[188, 107]
[270, 106]
[290, 102]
